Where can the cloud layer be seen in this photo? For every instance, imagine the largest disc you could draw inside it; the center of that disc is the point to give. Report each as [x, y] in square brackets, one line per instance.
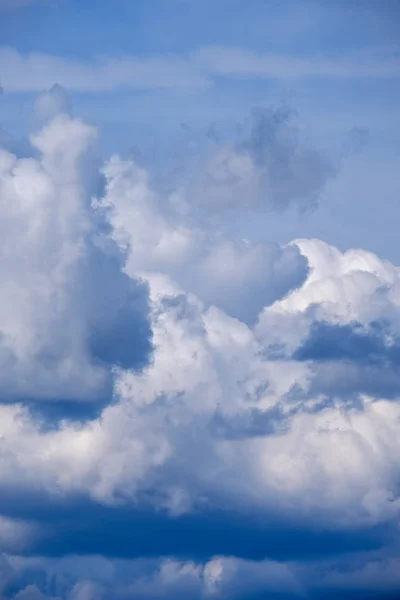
[244, 436]
[36, 71]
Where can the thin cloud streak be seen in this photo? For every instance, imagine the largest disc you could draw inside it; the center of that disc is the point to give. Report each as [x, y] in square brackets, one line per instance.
[37, 71]
[231, 62]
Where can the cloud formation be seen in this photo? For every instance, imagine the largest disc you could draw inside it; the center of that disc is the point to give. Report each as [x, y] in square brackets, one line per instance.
[268, 166]
[239, 447]
[238, 62]
[36, 71]
[56, 307]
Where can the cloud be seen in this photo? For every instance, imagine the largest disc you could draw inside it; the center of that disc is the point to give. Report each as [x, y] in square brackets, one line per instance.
[38, 72]
[15, 534]
[161, 579]
[269, 166]
[238, 62]
[56, 310]
[211, 369]
[237, 276]
[344, 322]
[52, 103]
[238, 447]
[220, 577]
[35, 71]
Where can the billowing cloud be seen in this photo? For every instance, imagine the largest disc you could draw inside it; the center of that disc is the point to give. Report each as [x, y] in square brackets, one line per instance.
[236, 275]
[56, 307]
[239, 447]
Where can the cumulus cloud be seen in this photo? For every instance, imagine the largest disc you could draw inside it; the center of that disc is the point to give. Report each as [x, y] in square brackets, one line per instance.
[236, 275]
[55, 307]
[237, 422]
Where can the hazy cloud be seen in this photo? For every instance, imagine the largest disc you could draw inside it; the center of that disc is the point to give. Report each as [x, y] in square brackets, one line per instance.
[36, 71]
[238, 62]
[267, 167]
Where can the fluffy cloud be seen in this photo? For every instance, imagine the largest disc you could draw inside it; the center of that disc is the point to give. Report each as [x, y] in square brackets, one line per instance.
[235, 421]
[56, 307]
[236, 275]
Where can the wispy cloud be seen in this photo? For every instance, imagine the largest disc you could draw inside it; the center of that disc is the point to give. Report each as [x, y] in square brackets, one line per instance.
[229, 61]
[37, 71]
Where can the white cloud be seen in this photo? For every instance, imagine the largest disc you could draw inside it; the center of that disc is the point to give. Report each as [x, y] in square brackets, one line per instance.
[237, 276]
[37, 71]
[44, 224]
[225, 415]
[260, 445]
[239, 62]
[51, 253]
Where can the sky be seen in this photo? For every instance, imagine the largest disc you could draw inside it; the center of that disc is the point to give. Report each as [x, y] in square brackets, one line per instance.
[200, 300]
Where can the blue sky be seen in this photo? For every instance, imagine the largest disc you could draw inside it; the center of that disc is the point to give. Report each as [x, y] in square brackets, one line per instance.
[200, 307]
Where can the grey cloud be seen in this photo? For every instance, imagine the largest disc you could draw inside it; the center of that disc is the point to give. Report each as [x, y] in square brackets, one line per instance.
[363, 575]
[351, 359]
[268, 167]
